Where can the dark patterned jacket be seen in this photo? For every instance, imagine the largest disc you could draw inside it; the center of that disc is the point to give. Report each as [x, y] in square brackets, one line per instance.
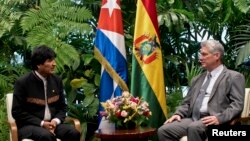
[29, 100]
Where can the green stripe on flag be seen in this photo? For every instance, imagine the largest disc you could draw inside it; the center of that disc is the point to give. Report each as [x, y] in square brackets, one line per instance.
[140, 87]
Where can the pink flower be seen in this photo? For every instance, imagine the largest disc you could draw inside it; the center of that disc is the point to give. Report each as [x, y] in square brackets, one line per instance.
[124, 113]
[102, 113]
[133, 105]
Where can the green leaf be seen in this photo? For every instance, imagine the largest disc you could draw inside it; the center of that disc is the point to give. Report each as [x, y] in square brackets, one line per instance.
[244, 53]
[78, 83]
[242, 5]
[87, 58]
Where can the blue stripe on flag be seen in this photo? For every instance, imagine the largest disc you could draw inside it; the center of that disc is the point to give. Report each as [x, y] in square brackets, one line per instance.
[112, 54]
[106, 88]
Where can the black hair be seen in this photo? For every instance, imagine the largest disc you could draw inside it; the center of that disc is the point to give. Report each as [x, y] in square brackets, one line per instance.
[40, 54]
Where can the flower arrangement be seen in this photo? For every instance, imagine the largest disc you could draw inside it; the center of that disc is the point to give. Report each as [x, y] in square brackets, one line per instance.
[125, 110]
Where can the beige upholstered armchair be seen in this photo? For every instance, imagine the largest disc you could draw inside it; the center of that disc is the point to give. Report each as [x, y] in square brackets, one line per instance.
[245, 114]
[13, 127]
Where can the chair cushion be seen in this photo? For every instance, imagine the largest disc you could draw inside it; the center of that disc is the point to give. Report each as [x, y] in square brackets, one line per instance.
[184, 138]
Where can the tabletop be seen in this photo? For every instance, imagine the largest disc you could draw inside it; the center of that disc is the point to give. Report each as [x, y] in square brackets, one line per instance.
[142, 133]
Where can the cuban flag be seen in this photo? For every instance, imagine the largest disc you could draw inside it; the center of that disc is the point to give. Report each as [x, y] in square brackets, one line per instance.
[110, 51]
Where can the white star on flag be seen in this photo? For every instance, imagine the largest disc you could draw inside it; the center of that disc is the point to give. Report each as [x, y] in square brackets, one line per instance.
[111, 5]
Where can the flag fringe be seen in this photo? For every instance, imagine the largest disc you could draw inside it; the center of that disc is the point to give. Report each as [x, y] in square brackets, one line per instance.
[110, 70]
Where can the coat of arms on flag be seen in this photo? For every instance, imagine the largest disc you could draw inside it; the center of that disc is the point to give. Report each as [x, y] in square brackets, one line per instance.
[146, 48]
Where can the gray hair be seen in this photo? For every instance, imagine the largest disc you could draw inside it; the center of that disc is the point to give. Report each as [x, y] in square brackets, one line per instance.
[213, 46]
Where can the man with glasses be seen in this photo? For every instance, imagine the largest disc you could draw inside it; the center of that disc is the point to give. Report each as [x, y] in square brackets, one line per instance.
[215, 97]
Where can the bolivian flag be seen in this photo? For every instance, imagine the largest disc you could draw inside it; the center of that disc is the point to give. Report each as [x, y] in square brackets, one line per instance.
[147, 78]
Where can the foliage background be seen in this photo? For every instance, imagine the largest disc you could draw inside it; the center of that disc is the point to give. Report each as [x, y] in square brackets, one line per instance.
[69, 26]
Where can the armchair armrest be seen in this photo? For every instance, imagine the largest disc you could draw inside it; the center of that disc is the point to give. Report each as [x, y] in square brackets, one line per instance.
[240, 120]
[13, 131]
[245, 114]
[75, 122]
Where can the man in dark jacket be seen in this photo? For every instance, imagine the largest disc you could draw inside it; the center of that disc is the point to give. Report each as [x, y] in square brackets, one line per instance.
[39, 106]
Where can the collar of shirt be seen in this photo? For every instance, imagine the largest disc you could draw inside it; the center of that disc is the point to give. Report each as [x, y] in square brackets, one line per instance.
[215, 74]
[41, 77]
[217, 71]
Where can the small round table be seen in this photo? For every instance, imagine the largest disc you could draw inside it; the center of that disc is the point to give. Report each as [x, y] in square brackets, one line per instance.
[137, 134]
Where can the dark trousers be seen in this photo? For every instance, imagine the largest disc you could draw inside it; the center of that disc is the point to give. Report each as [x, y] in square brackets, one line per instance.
[65, 132]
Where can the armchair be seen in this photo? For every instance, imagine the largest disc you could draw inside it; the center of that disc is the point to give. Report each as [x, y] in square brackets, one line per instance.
[13, 135]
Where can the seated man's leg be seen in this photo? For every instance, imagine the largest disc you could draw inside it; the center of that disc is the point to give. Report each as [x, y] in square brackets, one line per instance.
[66, 132]
[196, 131]
[35, 133]
[174, 131]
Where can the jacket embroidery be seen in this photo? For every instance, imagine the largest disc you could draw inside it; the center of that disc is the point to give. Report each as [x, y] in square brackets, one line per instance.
[42, 102]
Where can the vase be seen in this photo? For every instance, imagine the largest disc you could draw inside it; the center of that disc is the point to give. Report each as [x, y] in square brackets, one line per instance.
[128, 125]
